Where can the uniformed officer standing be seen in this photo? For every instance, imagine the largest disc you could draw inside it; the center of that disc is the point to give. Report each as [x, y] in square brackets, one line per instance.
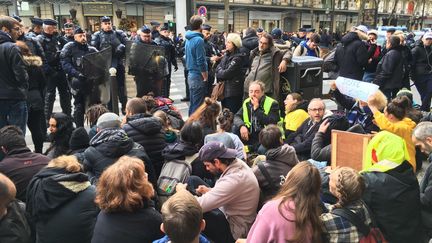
[213, 56]
[36, 28]
[69, 32]
[52, 44]
[117, 40]
[155, 27]
[170, 55]
[71, 60]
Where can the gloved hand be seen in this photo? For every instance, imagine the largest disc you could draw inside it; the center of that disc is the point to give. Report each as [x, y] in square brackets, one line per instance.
[175, 69]
[120, 49]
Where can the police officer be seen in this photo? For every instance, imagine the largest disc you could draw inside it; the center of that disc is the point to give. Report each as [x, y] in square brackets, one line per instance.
[213, 56]
[71, 60]
[69, 32]
[117, 40]
[170, 55]
[52, 44]
[155, 29]
[36, 28]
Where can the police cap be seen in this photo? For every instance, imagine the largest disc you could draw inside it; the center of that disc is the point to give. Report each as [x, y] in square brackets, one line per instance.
[105, 19]
[49, 22]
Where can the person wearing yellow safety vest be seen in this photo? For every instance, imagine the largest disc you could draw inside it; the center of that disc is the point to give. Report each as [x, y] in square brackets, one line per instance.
[256, 112]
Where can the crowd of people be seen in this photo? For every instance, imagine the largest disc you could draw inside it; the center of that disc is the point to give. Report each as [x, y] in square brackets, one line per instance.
[250, 164]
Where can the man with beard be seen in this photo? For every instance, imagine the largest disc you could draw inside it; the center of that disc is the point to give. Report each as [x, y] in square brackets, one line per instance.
[71, 60]
[170, 56]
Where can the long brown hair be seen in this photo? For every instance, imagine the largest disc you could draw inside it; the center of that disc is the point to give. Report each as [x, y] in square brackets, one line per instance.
[206, 113]
[302, 185]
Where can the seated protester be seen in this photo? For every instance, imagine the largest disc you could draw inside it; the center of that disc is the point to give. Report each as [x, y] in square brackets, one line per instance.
[422, 138]
[357, 111]
[309, 47]
[166, 105]
[92, 115]
[109, 144]
[60, 202]
[347, 185]
[182, 219]
[79, 141]
[293, 215]
[392, 190]
[236, 193]
[124, 197]
[321, 143]
[171, 134]
[413, 111]
[225, 136]
[394, 120]
[145, 130]
[301, 140]
[61, 128]
[257, 111]
[19, 163]
[13, 222]
[295, 112]
[206, 115]
[279, 160]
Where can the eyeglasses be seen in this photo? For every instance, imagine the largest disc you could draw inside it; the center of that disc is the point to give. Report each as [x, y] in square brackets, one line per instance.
[316, 109]
[17, 28]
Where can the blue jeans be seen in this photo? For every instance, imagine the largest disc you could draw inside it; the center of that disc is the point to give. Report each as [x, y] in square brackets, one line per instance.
[423, 84]
[368, 77]
[13, 112]
[197, 91]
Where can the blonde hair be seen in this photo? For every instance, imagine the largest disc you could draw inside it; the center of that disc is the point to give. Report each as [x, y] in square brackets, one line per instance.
[350, 186]
[380, 100]
[68, 162]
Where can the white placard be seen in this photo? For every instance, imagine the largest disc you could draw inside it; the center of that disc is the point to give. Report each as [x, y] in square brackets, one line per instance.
[355, 88]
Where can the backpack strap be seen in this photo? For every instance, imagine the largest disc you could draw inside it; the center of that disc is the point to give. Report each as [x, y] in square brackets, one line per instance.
[353, 219]
[267, 176]
[190, 159]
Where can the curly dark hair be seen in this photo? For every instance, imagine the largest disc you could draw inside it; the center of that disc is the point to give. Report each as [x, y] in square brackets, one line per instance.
[60, 139]
[94, 112]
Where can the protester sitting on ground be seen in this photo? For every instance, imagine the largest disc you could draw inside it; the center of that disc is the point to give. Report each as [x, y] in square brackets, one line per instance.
[347, 185]
[19, 163]
[92, 115]
[182, 219]
[357, 111]
[145, 130]
[301, 140]
[225, 136]
[257, 111]
[61, 128]
[236, 193]
[206, 114]
[109, 144]
[293, 214]
[280, 158]
[394, 120]
[321, 144]
[171, 134]
[166, 105]
[13, 222]
[79, 141]
[296, 112]
[392, 190]
[413, 111]
[124, 197]
[60, 202]
[422, 138]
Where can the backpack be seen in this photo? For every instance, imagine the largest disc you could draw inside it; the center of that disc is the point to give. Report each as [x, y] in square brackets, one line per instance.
[166, 105]
[173, 172]
[370, 234]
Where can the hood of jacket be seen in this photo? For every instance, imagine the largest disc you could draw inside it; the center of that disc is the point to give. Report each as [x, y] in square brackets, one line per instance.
[192, 34]
[112, 143]
[250, 41]
[5, 37]
[285, 154]
[303, 105]
[178, 150]
[33, 60]
[145, 124]
[350, 37]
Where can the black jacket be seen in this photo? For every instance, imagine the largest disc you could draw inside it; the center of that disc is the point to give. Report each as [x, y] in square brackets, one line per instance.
[13, 74]
[71, 57]
[37, 82]
[394, 200]
[107, 146]
[390, 70]
[249, 43]
[301, 140]
[319, 151]
[170, 51]
[371, 66]
[14, 226]
[61, 206]
[422, 62]
[231, 72]
[147, 131]
[352, 57]
[426, 199]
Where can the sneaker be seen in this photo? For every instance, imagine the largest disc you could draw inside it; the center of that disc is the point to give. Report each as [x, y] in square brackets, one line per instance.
[185, 99]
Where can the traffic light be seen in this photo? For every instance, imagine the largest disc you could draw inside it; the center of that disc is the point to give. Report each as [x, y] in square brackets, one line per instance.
[171, 25]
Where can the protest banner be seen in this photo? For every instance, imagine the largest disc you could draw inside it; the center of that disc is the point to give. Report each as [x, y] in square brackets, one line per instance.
[355, 88]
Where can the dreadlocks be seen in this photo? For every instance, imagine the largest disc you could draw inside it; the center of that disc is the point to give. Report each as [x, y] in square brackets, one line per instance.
[94, 112]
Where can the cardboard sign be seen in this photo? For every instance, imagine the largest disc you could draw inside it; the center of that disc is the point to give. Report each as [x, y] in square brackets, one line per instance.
[355, 88]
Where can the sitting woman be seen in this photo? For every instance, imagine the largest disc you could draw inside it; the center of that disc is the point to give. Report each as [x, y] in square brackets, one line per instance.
[92, 115]
[296, 112]
[171, 134]
[60, 202]
[347, 185]
[61, 128]
[293, 215]
[123, 195]
[206, 115]
[395, 120]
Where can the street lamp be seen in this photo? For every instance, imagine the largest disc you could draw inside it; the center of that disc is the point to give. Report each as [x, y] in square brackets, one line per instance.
[73, 13]
[119, 13]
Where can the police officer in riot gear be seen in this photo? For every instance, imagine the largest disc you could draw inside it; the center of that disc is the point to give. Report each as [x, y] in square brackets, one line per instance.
[52, 44]
[68, 32]
[71, 60]
[117, 40]
[170, 55]
[36, 28]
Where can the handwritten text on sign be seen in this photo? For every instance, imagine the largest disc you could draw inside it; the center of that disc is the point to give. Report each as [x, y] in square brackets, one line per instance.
[356, 89]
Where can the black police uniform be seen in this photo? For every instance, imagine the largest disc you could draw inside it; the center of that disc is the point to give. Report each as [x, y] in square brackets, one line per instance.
[211, 49]
[170, 55]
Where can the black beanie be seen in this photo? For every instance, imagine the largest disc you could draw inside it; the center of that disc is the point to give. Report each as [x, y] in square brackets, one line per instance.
[79, 139]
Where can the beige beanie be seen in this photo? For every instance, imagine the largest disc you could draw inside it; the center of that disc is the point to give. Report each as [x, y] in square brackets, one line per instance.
[235, 39]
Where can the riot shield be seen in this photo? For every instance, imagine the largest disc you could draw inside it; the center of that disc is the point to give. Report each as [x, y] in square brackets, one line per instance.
[147, 59]
[96, 65]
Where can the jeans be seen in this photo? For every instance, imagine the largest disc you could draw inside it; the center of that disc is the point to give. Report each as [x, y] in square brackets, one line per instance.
[13, 112]
[368, 77]
[197, 91]
[423, 84]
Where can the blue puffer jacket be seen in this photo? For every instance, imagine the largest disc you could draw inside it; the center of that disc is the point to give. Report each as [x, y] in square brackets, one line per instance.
[195, 53]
